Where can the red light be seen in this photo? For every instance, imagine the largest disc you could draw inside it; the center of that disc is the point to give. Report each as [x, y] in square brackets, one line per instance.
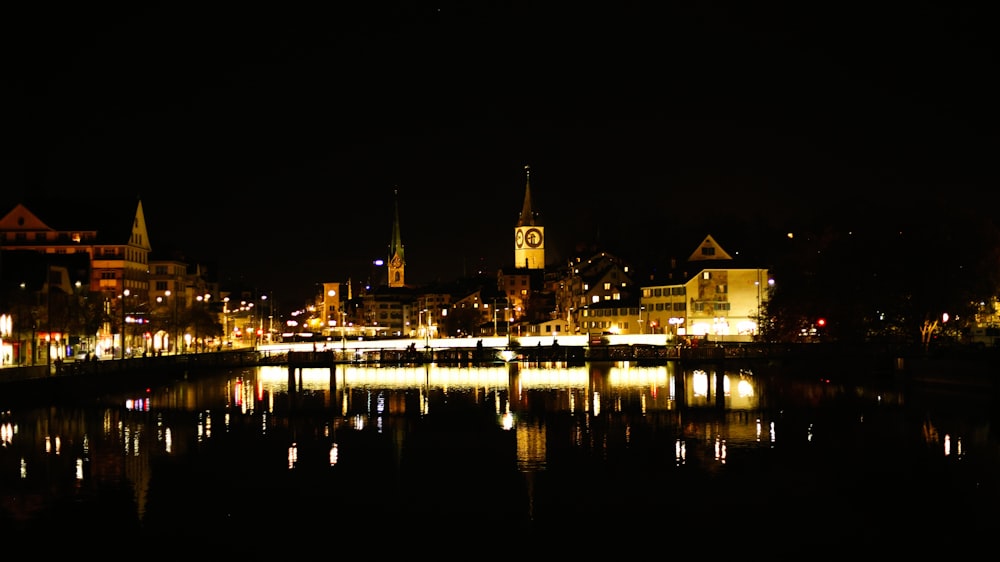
[821, 322]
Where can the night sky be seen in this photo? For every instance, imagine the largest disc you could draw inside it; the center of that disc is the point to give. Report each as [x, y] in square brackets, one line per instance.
[270, 138]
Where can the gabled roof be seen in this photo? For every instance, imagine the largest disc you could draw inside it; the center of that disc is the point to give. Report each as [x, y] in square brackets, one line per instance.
[110, 218]
[528, 215]
[709, 249]
[708, 254]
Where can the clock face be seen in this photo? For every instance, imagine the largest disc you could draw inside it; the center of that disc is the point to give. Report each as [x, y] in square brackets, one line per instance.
[396, 262]
[533, 237]
[519, 238]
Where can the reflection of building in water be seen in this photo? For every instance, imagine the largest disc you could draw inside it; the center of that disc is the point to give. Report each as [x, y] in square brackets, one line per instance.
[738, 389]
[515, 390]
[597, 423]
[530, 445]
[417, 376]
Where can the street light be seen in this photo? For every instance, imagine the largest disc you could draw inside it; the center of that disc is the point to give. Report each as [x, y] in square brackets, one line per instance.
[675, 323]
[263, 301]
[203, 302]
[507, 315]
[125, 293]
[425, 329]
[225, 319]
[173, 322]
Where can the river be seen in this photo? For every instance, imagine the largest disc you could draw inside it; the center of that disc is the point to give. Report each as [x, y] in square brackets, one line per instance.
[551, 456]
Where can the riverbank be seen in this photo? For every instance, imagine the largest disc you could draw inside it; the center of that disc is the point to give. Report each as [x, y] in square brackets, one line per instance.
[967, 368]
[71, 377]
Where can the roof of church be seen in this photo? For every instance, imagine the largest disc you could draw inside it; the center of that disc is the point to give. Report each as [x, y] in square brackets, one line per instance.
[528, 215]
[396, 244]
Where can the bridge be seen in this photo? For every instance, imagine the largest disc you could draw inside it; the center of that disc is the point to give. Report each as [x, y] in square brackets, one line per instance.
[570, 351]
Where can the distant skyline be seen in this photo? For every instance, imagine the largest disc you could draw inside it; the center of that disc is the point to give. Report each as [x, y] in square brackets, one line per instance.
[278, 136]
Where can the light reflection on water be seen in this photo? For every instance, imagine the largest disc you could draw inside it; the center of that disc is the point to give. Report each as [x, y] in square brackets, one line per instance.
[524, 444]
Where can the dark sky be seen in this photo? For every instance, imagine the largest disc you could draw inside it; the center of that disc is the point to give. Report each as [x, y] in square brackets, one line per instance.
[270, 138]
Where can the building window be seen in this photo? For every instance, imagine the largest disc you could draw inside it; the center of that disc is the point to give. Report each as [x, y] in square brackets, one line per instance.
[706, 275]
[708, 251]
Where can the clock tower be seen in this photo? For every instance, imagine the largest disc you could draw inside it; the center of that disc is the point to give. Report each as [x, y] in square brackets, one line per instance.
[397, 263]
[529, 234]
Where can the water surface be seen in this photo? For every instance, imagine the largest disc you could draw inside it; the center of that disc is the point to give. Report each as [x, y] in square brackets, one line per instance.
[555, 455]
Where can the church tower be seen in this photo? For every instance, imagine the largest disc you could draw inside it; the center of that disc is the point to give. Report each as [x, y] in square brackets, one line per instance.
[397, 263]
[529, 235]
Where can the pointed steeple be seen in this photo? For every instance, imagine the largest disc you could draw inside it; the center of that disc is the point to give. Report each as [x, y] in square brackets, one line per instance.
[396, 244]
[397, 261]
[529, 234]
[527, 217]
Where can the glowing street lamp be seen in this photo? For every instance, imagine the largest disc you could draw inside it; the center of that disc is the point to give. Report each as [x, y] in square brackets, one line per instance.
[173, 322]
[225, 319]
[125, 294]
[202, 300]
[675, 323]
[260, 329]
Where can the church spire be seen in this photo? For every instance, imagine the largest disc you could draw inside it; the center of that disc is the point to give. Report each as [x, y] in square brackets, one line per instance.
[397, 262]
[527, 217]
[529, 234]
